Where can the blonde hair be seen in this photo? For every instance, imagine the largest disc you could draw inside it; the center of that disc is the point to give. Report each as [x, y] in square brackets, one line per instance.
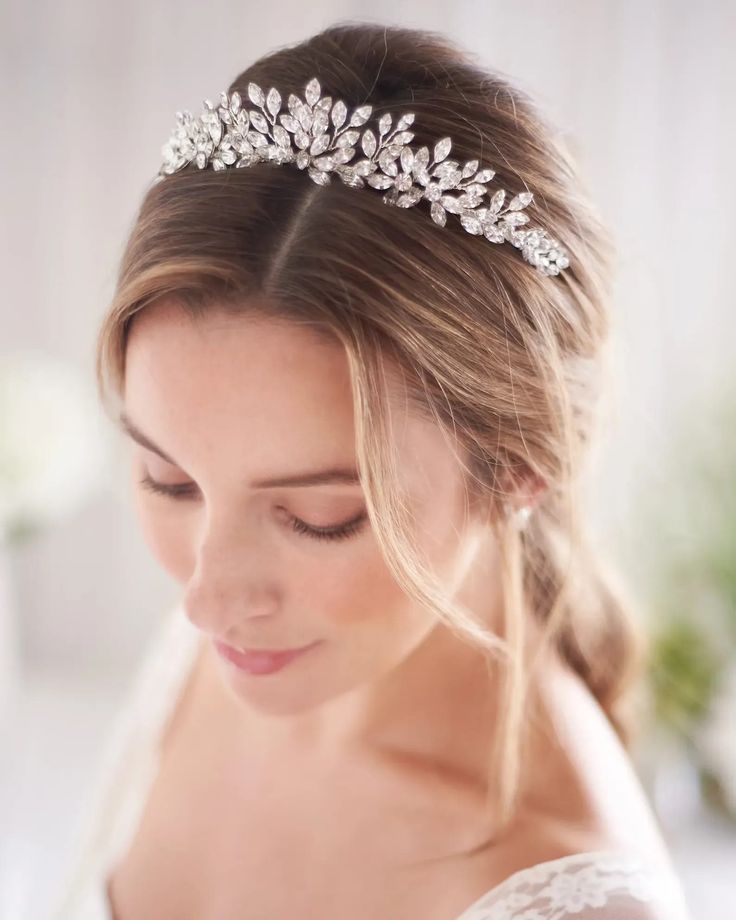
[508, 360]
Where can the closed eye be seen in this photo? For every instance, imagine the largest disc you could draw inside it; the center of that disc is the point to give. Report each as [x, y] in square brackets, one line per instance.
[184, 490]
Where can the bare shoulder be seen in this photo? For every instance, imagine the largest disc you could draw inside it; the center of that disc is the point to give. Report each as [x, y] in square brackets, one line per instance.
[583, 814]
[584, 787]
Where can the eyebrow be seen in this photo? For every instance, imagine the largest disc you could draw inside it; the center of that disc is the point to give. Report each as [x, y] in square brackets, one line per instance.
[329, 476]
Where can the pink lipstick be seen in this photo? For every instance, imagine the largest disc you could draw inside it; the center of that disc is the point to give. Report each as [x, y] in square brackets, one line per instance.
[259, 661]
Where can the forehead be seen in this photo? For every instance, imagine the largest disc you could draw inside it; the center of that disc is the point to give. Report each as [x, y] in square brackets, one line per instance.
[220, 368]
[260, 391]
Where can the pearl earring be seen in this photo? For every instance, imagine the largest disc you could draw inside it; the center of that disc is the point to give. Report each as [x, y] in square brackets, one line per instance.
[521, 517]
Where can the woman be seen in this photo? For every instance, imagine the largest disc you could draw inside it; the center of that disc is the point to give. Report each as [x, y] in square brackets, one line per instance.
[394, 687]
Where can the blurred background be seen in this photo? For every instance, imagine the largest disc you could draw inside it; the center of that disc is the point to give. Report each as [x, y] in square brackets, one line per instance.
[644, 91]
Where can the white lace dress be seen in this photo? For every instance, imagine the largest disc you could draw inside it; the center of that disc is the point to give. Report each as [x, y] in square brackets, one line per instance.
[603, 885]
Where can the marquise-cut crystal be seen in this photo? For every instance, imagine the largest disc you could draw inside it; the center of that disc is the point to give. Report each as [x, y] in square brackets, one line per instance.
[317, 136]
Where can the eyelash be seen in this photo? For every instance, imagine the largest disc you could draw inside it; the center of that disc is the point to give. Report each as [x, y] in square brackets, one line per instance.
[183, 491]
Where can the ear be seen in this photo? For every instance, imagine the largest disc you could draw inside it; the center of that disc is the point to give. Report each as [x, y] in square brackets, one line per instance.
[519, 488]
[524, 489]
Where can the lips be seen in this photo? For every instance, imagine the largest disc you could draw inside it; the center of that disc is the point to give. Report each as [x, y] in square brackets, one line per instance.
[260, 661]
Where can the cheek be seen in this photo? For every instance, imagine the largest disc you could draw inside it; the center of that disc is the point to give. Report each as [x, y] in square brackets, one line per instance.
[351, 587]
[358, 597]
[361, 604]
[167, 536]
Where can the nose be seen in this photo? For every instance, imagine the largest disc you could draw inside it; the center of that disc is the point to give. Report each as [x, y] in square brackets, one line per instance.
[233, 581]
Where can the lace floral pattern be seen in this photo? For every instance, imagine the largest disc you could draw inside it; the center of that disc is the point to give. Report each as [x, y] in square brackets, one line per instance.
[600, 886]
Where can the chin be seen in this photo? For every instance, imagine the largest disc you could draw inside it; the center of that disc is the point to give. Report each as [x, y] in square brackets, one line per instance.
[291, 691]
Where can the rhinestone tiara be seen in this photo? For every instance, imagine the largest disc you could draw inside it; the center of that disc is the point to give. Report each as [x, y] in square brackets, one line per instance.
[317, 135]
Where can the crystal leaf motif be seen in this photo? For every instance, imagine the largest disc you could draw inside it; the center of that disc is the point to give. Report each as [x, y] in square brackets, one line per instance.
[323, 138]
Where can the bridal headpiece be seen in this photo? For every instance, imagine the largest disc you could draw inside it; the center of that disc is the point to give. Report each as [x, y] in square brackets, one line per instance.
[318, 136]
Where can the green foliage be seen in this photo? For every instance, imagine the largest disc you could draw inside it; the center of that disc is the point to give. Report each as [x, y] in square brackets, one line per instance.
[694, 594]
[683, 674]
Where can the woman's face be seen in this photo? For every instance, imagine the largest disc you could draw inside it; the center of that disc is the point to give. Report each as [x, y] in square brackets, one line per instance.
[237, 404]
